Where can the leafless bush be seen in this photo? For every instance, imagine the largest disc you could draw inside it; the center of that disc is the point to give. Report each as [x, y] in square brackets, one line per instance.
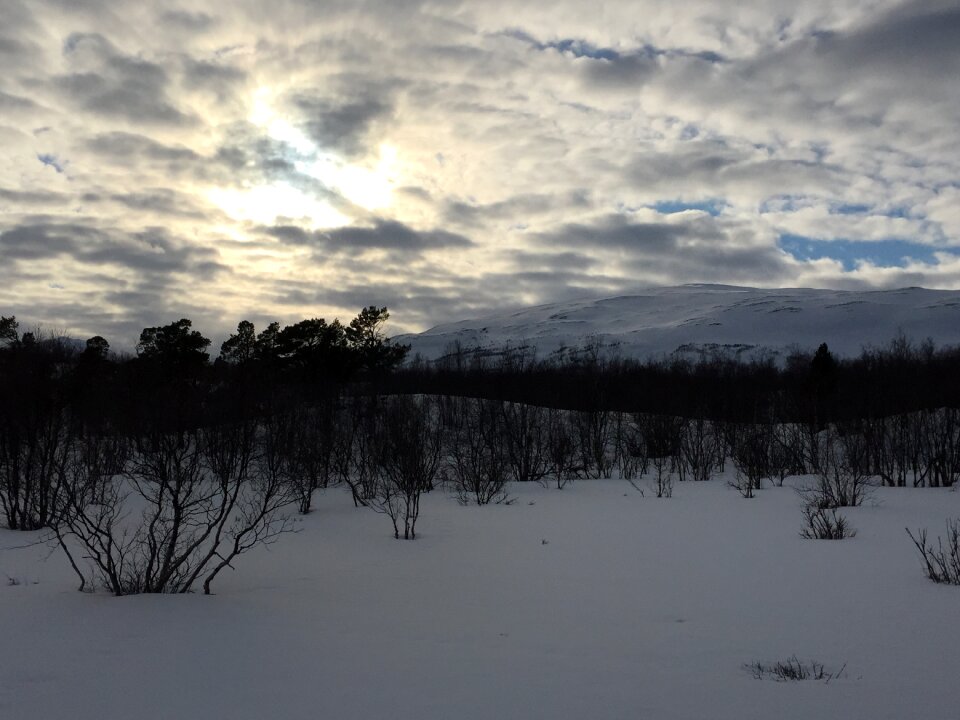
[842, 471]
[594, 441]
[189, 502]
[940, 448]
[821, 524]
[626, 440]
[36, 436]
[35, 446]
[698, 449]
[792, 669]
[751, 458]
[355, 450]
[662, 437]
[561, 448]
[477, 452]
[407, 454]
[942, 564]
[313, 446]
[526, 439]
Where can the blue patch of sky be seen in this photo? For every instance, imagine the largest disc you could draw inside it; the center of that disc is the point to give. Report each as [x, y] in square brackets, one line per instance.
[898, 213]
[578, 48]
[852, 209]
[882, 253]
[581, 48]
[51, 161]
[668, 207]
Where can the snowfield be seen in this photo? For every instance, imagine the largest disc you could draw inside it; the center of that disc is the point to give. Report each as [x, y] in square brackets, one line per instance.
[590, 602]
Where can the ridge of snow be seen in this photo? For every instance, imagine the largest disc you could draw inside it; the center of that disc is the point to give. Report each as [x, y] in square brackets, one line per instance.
[690, 319]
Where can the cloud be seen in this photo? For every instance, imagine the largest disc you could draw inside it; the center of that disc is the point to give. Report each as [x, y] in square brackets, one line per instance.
[150, 251]
[288, 159]
[110, 83]
[342, 118]
[183, 20]
[382, 235]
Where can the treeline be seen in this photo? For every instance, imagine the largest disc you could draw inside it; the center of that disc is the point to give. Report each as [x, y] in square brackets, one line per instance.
[808, 387]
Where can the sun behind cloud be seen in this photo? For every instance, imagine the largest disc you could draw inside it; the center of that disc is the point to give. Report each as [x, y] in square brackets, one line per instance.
[366, 184]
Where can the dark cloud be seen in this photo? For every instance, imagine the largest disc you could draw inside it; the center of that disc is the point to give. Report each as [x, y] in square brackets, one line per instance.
[150, 251]
[383, 235]
[189, 21]
[916, 40]
[117, 85]
[519, 208]
[32, 197]
[161, 201]
[704, 248]
[343, 120]
[42, 240]
[552, 261]
[132, 146]
[11, 103]
[213, 77]
[623, 71]
[619, 232]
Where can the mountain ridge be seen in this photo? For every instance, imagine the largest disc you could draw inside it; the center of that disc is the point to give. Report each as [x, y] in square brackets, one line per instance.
[701, 317]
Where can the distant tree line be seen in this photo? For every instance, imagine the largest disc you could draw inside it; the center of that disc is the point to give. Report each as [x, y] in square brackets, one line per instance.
[805, 386]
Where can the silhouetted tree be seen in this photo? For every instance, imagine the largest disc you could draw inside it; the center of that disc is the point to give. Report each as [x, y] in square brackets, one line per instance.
[175, 349]
[8, 330]
[371, 349]
[241, 347]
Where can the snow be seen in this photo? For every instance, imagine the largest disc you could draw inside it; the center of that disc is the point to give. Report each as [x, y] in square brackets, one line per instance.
[691, 318]
[634, 607]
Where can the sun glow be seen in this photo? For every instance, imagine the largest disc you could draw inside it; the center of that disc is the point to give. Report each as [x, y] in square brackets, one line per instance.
[368, 185]
[266, 204]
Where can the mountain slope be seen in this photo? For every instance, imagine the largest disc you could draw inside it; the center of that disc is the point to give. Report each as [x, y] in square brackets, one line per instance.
[692, 318]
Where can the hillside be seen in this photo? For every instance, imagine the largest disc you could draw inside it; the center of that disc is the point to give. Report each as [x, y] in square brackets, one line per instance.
[690, 319]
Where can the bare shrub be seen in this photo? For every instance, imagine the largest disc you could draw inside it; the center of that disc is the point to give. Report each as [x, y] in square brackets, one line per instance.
[526, 439]
[792, 669]
[662, 435]
[822, 524]
[627, 440]
[698, 449]
[188, 503]
[561, 448]
[477, 452]
[842, 471]
[355, 454]
[941, 563]
[940, 447]
[36, 437]
[406, 457]
[312, 448]
[594, 441]
[751, 458]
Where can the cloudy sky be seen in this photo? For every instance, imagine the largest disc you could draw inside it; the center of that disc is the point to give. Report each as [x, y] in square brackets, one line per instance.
[293, 158]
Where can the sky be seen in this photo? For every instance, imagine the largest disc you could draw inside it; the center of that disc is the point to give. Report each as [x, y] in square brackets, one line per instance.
[289, 159]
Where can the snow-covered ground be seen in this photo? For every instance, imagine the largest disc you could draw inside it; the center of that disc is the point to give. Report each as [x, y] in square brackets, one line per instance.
[691, 318]
[590, 602]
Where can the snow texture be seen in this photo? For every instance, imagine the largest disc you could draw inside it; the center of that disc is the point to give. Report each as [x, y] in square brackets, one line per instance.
[590, 602]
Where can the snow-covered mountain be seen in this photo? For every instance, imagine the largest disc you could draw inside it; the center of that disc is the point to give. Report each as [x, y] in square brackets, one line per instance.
[690, 319]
